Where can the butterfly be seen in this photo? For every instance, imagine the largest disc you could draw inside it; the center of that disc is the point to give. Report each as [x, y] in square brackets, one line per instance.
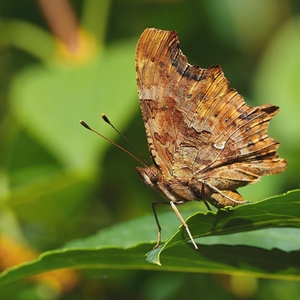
[203, 139]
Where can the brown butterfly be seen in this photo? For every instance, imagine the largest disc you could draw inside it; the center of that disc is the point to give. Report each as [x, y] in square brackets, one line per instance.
[204, 140]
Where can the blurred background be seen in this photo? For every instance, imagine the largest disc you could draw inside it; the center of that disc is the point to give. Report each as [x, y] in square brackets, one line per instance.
[62, 61]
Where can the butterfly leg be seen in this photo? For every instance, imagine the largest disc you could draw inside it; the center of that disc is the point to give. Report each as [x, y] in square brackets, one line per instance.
[183, 223]
[207, 192]
[157, 222]
[233, 196]
[206, 204]
[173, 205]
[202, 197]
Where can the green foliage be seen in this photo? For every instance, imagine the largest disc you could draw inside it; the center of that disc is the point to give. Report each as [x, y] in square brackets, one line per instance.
[123, 246]
[279, 211]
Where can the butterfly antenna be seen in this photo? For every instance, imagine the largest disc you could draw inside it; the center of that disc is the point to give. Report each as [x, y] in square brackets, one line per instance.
[105, 118]
[113, 143]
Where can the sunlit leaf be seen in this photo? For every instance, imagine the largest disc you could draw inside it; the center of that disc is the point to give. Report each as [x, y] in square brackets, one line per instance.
[277, 211]
[123, 246]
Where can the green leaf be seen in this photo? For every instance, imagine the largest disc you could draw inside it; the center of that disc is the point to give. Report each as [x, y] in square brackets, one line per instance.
[49, 102]
[281, 88]
[277, 211]
[123, 246]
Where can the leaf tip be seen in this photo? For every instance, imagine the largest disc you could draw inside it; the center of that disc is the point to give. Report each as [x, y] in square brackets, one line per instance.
[153, 256]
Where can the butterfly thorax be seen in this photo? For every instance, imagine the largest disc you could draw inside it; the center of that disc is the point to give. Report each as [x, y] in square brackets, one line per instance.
[180, 192]
[172, 188]
[153, 177]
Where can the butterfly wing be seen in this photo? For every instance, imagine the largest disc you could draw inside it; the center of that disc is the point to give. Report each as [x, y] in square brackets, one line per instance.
[165, 92]
[196, 126]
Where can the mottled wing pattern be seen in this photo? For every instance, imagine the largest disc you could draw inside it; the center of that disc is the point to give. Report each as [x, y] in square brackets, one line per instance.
[165, 97]
[196, 125]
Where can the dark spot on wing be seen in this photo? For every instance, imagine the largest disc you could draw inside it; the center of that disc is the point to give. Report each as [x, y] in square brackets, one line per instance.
[250, 143]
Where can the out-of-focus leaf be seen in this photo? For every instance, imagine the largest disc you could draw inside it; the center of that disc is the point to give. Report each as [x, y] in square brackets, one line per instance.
[277, 82]
[50, 103]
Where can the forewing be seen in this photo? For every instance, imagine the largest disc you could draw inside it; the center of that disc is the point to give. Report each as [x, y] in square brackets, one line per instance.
[166, 87]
